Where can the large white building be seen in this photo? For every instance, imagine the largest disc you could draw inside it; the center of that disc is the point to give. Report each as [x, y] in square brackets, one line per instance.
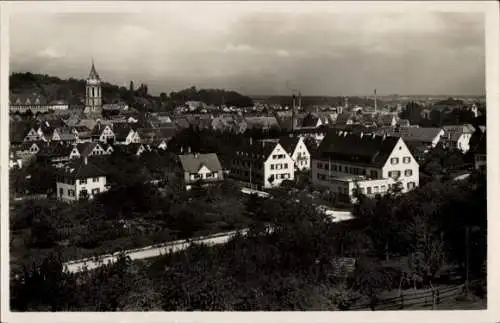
[262, 164]
[375, 163]
[79, 180]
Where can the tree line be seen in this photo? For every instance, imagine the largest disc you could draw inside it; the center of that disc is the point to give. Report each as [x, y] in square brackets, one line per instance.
[423, 238]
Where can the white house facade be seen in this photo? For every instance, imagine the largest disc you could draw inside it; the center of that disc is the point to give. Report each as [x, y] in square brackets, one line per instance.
[80, 180]
[372, 163]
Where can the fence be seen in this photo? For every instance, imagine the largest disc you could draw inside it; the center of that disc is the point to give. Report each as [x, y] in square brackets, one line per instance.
[429, 297]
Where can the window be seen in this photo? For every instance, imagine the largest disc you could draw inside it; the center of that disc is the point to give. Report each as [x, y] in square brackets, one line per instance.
[83, 181]
[373, 174]
[345, 169]
[286, 166]
[408, 172]
[61, 192]
[95, 179]
[406, 160]
[320, 165]
[394, 160]
[410, 185]
[275, 156]
[95, 191]
[368, 190]
[375, 189]
[382, 188]
[362, 189]
[395, 174]
[71, 193]
[272, 166]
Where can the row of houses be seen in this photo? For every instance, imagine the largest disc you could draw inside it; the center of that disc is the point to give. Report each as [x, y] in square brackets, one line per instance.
[343, 163]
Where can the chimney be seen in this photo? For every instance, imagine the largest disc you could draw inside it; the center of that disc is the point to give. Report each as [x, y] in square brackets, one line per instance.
[189, 149]
[251, 141]
[85, 160]
[182, 149]
[195, 155]
[361, 134]
[375, 99]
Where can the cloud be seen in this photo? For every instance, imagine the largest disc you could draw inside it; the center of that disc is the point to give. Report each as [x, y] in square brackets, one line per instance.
[257, 49]
[50, 53]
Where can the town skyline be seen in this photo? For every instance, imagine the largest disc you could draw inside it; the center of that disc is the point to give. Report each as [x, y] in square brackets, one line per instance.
[258, 50]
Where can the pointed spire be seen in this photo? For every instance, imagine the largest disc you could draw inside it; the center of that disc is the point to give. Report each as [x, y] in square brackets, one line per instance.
[93, 73]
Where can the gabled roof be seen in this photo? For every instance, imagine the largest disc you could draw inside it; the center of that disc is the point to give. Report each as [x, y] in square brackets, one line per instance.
[372, 150]
[99, 128]
[27, 99]
[194, 162]
[85, 148]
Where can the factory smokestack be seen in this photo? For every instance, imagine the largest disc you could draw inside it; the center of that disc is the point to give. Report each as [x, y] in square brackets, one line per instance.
[375, 99]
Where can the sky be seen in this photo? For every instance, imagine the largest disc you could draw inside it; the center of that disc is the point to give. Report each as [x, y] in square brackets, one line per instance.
[259, 49]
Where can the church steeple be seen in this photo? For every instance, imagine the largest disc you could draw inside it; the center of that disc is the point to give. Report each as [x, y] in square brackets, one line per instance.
[93, 73]
[93, 96]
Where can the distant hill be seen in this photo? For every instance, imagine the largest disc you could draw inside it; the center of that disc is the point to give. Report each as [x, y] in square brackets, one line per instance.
[286, 100]
[73, 91]
[215, 97]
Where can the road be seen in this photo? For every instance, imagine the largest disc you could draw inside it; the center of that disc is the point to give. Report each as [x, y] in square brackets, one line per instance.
[91, 263]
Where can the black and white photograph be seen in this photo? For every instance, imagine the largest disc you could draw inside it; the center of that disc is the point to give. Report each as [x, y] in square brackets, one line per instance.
[248, 157]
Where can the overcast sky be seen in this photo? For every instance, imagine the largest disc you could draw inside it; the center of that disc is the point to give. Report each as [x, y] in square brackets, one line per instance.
[257, 49]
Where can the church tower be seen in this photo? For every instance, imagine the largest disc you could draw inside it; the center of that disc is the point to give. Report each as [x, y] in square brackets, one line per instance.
[93, 101]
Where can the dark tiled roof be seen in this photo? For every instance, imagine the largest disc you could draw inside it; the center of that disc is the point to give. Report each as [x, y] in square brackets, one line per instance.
[193, 162]
[343, 117]
[356, 149]
[289, 143]
[425, 134]
[257, 150]
[55, 150]
[19, 130]
[85, 148]
[454, 132]
[78, 169]
[310, 120]
[121, 130]
[386, 119]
